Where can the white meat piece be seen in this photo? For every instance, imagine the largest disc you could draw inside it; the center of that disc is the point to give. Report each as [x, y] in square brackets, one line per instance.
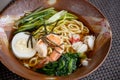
[76, 36]
[84, 63]
[83, 48]
[41, 48]
[76, 45]
[80, 47]
[89, 40]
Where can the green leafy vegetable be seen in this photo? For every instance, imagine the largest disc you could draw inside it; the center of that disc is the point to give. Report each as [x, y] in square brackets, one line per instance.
[56, 16]
[64, 66]
[36, 19]
[32, 15]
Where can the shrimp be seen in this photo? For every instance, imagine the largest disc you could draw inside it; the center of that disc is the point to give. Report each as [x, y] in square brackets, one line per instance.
[41, 48]
[56, 53]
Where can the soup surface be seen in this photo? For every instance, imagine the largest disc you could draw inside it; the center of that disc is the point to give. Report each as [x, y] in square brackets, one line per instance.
[52, 42]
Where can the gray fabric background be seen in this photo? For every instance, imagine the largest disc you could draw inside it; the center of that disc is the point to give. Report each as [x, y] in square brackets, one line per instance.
[110, 70]
[3, 4]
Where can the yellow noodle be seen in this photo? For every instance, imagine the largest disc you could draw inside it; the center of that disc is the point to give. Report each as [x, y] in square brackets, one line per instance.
[49, 50]
[70, 27]
[64, 28]
[33, 61]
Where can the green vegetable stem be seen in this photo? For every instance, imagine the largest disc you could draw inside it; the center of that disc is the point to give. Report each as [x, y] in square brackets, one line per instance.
[34, 20]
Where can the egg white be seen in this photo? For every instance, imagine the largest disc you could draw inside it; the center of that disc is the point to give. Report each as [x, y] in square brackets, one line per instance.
[19, 46]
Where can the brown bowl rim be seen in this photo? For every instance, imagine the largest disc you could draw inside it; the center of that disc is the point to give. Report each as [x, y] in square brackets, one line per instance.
[102, 61]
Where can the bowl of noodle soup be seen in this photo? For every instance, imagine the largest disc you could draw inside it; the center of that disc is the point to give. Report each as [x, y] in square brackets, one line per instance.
[53, 39]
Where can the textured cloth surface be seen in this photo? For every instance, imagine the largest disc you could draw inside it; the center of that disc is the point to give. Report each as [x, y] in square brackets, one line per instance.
[110, 69]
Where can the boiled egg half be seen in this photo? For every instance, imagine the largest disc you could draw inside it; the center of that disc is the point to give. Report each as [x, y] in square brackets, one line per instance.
[19, 46]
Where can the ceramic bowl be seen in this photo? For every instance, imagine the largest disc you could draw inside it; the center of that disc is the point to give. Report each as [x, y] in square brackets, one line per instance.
[87, 13]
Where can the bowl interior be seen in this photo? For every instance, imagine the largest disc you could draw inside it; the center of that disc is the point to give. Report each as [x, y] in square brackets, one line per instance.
[87, 13]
